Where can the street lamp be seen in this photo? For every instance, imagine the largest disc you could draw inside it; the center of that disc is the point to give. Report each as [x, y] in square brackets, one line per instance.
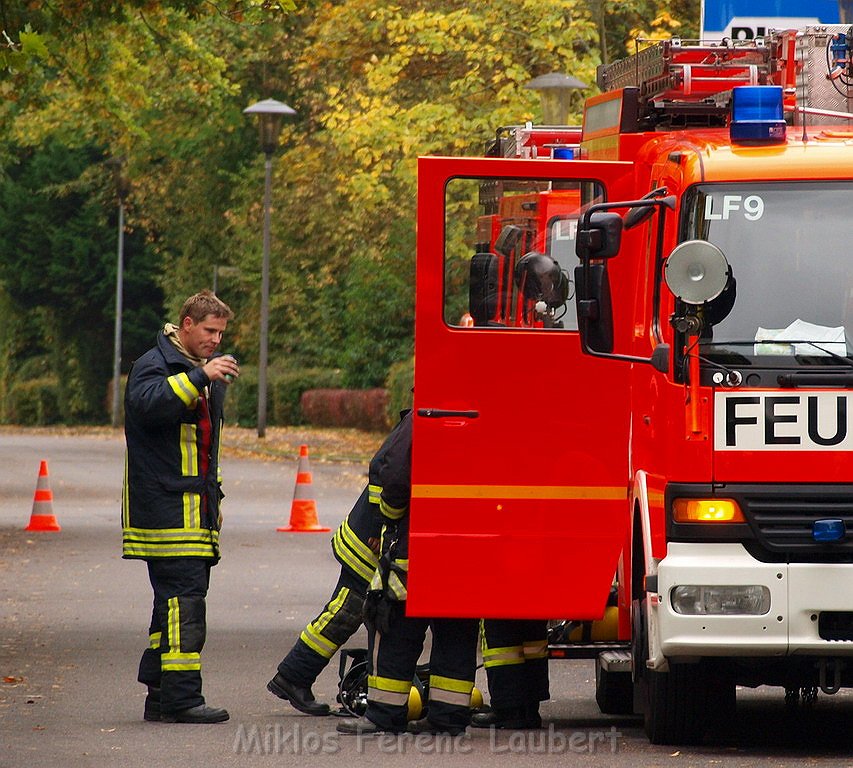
[271, 114]
[554, 92]
[122, 191]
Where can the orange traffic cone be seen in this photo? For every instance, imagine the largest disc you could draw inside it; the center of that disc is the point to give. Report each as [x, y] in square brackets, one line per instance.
[42, 517]
[303, 510]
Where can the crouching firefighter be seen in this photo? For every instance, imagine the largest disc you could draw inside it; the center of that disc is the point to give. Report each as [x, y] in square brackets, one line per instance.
[396, 640]
[355, 546]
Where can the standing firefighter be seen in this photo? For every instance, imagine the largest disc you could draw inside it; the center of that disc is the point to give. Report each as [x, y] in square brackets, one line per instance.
[171, 495]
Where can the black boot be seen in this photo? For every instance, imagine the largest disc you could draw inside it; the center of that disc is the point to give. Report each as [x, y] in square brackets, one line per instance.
[299, 696]
[425, 725]
[199, 714]
[531, 716]
[152, 706]
[507, 718]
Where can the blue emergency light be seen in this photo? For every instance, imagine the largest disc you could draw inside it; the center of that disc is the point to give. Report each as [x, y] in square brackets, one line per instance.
[757, 114]
[828, 530]
[564, 153]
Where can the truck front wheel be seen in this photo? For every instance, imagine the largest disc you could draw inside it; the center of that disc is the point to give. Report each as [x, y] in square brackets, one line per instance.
[674, 704]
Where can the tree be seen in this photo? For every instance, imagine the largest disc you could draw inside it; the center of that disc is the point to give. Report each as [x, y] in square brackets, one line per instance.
[621, 24]
[375, 84]
[58, 257]
[381, 84]
[138, 80]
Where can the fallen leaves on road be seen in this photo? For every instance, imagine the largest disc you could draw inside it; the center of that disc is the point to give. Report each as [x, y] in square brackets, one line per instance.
[284, 442]
[324, 444]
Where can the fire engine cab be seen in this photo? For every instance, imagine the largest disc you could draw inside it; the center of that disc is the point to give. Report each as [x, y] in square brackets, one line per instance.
[633, 357]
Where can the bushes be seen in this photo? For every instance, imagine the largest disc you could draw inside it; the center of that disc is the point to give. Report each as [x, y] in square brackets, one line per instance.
[358, 408]
[306, 396]
[284, 390]
[34, 402]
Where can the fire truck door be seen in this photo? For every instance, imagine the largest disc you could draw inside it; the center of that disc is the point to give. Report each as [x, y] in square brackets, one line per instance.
[519, 476]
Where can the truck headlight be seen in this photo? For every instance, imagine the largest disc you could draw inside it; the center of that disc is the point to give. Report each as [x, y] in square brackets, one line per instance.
[722, 600]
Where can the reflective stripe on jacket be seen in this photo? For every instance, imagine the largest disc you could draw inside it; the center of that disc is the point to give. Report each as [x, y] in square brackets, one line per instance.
[390, 474]
[350, 542]
[173, 423]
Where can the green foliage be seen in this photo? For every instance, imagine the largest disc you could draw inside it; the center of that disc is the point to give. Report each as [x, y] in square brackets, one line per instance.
[620, 24]
[284, 391]
[50, 260]
[401, 380]
[57, 260]
[34, 402]
[379, 296]
[161, 85]
[403, 80]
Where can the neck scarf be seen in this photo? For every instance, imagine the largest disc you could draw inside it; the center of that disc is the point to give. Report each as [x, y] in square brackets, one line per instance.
[171, 331]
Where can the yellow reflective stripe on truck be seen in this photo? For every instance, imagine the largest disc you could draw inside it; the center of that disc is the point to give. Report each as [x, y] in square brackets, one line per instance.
[547, 492]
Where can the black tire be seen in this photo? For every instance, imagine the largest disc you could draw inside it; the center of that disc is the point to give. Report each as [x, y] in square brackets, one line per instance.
[614, 691]
[677, 705]
[674, 703]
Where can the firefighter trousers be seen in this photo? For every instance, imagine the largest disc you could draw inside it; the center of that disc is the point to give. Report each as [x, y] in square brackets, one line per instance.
[337, 622]
[172, 661]
[515, 656]
[452, 664]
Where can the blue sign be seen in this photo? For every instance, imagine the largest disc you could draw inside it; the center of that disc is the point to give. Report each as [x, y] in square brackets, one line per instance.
[745, 19]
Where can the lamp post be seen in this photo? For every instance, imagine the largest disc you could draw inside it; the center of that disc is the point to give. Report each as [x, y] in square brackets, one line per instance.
[554, 92]
[271, 114]
[122, 190]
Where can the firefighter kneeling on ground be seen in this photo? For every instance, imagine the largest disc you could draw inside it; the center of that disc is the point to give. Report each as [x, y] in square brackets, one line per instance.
[396, 640]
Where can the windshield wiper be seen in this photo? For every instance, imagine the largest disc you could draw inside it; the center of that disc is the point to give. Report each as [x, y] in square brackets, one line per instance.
[815, 379]
[845, 359]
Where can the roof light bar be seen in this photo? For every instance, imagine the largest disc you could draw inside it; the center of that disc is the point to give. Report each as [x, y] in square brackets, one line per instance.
[757, 114]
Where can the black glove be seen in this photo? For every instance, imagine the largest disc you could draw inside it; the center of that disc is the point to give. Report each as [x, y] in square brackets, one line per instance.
[377, 611]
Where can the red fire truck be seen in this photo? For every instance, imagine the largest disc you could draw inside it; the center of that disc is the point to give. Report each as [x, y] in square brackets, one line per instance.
[633, 357]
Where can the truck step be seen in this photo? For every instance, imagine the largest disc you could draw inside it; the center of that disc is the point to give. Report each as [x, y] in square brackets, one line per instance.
[615, 661]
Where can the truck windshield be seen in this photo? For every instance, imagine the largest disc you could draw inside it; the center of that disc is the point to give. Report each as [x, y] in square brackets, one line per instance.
[788, 244]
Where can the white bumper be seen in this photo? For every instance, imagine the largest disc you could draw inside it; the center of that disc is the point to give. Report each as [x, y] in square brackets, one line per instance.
[798, 593]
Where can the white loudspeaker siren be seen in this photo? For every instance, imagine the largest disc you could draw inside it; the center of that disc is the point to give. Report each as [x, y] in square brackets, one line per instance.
[696, 271]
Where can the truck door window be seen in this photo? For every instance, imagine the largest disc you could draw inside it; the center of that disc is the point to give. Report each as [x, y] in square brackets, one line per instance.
[510, 252]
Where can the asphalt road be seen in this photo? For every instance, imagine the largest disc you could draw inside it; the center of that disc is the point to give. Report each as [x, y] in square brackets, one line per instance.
[74, 621]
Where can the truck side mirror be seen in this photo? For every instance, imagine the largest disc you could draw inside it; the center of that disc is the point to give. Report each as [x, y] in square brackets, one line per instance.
[508, 239]
[483, 288]
[599, 235]
[598, 239]
[594, 307]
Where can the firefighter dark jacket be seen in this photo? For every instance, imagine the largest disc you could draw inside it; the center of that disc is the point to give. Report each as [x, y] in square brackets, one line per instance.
[351, 542]
[173, 422]
[390, 477]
